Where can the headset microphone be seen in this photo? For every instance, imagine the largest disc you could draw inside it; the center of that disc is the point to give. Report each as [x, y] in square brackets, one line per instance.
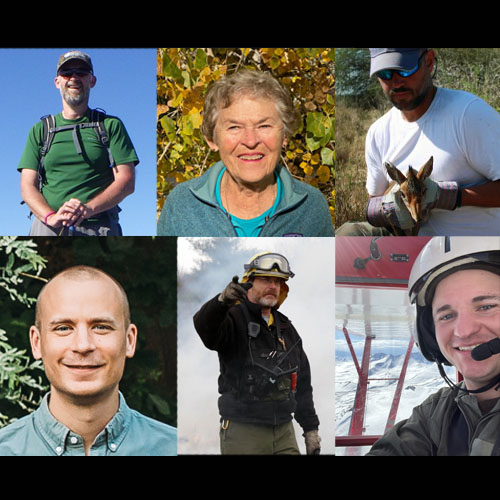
[486, 350]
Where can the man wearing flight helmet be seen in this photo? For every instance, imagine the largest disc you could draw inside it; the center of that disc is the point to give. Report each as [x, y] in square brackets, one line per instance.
[455, 284]
[265, 378]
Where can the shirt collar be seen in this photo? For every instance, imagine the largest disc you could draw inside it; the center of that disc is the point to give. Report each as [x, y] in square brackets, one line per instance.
[58, 436]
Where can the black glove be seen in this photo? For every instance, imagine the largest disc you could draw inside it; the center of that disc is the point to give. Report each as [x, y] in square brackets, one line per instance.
[234, 292]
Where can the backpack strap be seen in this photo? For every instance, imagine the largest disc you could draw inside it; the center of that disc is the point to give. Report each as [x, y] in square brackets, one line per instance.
[48, 124]
[96, 122]
[97, 119]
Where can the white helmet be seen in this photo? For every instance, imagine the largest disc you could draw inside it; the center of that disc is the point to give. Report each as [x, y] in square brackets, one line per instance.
[442, 256]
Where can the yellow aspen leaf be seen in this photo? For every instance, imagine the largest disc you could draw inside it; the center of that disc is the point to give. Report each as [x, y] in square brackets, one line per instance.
[323, 173]
[196, 119]
[315, 159]
[161, 108]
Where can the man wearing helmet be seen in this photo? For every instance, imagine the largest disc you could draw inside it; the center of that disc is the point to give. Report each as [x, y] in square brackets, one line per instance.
[265, 378]
[455, 284]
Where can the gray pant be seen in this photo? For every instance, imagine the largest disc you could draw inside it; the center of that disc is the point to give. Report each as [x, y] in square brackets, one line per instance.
[237, 438]
[107, 225]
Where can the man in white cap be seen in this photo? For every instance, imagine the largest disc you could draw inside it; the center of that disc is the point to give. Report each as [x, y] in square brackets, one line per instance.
[79, 164]
[457, 129]
[461, 330]
[265, 378]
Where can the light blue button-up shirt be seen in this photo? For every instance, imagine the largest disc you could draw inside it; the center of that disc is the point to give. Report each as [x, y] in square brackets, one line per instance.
[129, 433]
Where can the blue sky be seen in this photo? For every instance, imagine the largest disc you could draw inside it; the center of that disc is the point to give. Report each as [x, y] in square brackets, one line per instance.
[126, 87]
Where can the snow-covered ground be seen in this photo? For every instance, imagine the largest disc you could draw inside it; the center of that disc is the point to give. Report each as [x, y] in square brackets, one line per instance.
[422, 379]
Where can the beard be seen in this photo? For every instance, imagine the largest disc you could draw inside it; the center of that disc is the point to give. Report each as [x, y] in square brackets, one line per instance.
[411, 103]
[406, 106]
[75, 98]
[268, 301]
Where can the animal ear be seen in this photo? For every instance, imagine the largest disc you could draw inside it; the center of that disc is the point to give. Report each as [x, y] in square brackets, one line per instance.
[426, 170]
[394, 173]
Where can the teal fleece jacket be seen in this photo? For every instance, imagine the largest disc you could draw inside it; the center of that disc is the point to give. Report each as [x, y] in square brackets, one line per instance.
[191, 209]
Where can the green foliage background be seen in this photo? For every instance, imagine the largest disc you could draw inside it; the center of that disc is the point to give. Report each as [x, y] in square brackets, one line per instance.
[184, 76]
[147, 269]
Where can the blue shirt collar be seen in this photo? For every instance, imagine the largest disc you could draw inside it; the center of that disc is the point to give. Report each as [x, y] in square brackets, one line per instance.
[59, 437]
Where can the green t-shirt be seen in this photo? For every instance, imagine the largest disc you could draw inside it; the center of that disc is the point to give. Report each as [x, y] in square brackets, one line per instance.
[69, 175]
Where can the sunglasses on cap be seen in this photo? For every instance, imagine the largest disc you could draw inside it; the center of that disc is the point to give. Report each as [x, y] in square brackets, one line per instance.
[386, 74]
[68, 73]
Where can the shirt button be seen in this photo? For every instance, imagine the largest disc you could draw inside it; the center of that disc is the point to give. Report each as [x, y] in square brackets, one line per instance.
[112, 446]
[59, 449]
[74, 440]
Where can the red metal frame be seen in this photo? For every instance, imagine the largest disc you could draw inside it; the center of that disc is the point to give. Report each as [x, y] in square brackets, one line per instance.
[358, 415]
[397, 395]
[356, 429]
[373, 262]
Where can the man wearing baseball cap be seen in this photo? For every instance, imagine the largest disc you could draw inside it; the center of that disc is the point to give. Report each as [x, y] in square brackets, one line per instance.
[79, 164]
[75, 55]
[454, 130]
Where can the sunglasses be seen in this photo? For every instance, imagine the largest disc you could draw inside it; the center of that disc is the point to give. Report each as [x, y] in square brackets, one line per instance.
[386, 74]
[68, 73]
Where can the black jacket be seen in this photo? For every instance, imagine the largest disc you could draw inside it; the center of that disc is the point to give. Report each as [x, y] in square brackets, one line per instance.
[249, 392]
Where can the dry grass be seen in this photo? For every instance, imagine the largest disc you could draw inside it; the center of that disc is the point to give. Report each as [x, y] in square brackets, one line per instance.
[351, 197]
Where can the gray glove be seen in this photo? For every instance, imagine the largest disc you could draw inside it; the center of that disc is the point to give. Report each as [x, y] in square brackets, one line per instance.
[389, 211]
[234, 292]
[313, 441]
[444, 195]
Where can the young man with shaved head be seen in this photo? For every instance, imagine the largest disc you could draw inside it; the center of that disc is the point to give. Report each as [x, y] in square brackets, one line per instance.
[84, 335]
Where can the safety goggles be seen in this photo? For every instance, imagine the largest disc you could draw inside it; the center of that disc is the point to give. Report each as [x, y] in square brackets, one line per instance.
[68, 73]
[386, 74]
[270, 261]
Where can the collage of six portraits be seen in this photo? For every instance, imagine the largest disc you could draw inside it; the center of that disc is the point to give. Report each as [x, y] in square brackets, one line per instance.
[281, 224]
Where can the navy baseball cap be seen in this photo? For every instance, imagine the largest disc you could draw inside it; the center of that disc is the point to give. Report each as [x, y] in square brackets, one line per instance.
[402, 59]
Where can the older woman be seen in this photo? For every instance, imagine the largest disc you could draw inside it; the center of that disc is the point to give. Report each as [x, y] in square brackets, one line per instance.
[248, 118]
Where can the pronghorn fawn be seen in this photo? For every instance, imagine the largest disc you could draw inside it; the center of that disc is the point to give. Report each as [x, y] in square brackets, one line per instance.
[412, 190]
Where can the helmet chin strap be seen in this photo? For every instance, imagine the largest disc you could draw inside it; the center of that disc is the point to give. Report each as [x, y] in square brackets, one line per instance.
[487, 387]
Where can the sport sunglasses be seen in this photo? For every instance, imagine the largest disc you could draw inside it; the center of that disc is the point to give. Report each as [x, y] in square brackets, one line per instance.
[386, 74]
[68, 73]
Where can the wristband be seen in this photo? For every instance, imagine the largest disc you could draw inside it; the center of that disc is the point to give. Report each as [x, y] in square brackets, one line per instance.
[48, 215]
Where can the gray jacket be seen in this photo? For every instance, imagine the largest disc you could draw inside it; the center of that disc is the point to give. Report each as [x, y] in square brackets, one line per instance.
[447, 423]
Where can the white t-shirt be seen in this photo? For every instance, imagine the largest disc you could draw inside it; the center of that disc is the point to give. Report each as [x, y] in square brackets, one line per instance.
[462, 133]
